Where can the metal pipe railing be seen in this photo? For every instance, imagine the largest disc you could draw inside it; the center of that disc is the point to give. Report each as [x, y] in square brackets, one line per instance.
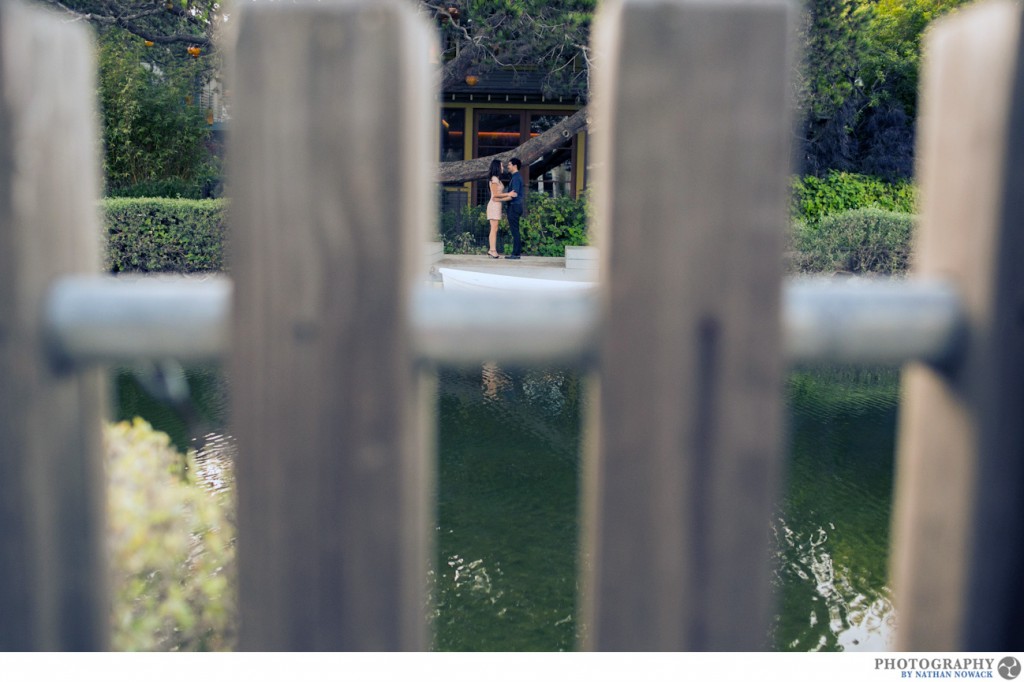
[870, 321]
[854, 320]
[126, 319]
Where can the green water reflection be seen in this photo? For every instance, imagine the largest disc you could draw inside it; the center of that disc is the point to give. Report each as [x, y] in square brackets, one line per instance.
[833, 527]
[507, 510]
[508, 496]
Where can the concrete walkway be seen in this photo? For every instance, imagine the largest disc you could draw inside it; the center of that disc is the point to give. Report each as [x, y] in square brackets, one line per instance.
[541, 267]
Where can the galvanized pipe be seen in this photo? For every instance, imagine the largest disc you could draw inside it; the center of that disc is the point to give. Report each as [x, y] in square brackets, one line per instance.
[864, 321]
[466, 327]
[826, 320]
[127, 319]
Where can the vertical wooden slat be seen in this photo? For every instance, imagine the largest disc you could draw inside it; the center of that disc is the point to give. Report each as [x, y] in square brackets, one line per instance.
[692, 150]
[52, 581]
[330, 158]
[958, 532]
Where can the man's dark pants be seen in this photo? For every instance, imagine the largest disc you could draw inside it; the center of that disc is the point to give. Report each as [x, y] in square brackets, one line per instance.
[515, 212]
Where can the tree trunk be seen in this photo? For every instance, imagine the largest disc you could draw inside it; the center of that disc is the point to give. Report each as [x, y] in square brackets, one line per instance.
[528, 152]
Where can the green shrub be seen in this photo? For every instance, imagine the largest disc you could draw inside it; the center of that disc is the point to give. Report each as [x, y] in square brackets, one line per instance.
[868, 240]
[164, 235]
[814, 198]
[547, 227]
[171, 542]
[150, 133]
[205, 185]
[551, 224]
[464, 229]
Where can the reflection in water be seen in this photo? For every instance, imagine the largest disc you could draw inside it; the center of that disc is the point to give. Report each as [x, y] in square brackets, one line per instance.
[215, 462]
[507, 502]
[833, 531]
[493, 380]
[856, 619]
[505, 565]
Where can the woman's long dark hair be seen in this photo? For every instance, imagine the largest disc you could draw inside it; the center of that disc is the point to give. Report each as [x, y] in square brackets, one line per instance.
[495, 170]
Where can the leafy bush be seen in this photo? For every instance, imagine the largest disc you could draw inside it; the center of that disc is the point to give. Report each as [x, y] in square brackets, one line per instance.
[868, 240]
[464, 229]
[814, 198]
[553, 223]
[207, 184]
[164, 235]
[547, 227]
[151, 132]
[171, 546]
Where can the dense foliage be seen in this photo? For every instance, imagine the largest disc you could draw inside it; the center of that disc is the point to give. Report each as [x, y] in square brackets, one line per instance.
[549, 37]
[549, 225]
[171, 543]
[156, 138]
[154, 58]
[857, 85]
[813, 197]
[164, 235]
[861, 241]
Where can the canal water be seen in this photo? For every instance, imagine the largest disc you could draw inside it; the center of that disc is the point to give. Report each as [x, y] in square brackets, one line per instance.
[508, 496]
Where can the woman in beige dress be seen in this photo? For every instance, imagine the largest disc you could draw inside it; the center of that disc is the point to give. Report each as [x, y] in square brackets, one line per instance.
[498, 195]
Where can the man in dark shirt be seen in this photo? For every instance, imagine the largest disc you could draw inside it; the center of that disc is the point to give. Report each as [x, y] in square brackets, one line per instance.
[515, 207]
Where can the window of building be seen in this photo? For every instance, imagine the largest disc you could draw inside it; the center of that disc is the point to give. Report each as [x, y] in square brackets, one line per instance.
[453, 134]
[496, 132]
[502, 131]
[453, 148]
[552, 173]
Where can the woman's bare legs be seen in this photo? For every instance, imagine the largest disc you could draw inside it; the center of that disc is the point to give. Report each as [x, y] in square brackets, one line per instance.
[494, 239]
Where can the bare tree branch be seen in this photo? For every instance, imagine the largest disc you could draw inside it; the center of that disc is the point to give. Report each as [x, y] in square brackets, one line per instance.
[113, 16]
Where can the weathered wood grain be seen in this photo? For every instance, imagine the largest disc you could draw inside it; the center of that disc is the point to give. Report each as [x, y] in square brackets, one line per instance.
[331, 160]
[53, 585]
[692, 156]
[958, 531]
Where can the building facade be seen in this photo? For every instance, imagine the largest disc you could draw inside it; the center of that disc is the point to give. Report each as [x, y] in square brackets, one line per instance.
[496, 113]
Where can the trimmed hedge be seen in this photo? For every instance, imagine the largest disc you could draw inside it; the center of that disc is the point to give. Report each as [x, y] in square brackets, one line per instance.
[814, 198]
[867, 240]
[186, 235]
[164, 235]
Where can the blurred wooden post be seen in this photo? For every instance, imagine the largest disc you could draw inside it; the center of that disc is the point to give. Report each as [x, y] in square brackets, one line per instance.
[52, 579]
[331, 158]
[958, 534]
[693, 129]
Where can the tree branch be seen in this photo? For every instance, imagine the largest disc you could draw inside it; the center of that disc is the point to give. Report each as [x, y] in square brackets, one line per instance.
[128, 23]
[528, 152]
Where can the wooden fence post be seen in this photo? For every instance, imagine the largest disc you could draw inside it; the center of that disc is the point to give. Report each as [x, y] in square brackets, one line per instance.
[958, 531]
[331, 177]
[52, 590]
[692, 149]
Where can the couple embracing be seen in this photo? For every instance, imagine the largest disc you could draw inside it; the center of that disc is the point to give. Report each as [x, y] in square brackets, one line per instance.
[514, 197]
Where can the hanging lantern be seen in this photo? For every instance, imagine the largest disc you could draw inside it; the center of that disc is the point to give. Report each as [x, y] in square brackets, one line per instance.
[194, 51]
[472, 80]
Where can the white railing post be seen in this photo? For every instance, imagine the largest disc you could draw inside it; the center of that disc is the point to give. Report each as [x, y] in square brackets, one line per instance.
[692, 148]
[330, 161]
[52, 589]
[959, 519]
